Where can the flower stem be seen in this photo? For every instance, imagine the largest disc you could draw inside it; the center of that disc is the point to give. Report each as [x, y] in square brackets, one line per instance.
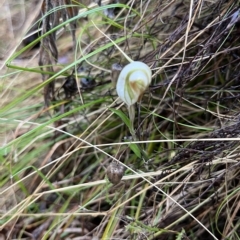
[131, 112]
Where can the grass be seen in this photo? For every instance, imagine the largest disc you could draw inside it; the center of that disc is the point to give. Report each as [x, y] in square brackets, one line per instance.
[181, 173]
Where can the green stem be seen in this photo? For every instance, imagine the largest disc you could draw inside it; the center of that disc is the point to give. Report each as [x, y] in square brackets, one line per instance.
[131, 112]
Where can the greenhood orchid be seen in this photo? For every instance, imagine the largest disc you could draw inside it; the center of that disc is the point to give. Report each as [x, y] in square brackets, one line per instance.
[133, 81]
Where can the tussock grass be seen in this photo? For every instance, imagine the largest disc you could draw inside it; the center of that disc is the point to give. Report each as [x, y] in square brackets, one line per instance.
[58, 137]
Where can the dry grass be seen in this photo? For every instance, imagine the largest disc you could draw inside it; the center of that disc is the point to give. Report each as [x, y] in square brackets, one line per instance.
[54, 155]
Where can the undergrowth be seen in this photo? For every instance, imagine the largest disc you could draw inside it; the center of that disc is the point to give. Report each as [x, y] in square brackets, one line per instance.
[63, 127]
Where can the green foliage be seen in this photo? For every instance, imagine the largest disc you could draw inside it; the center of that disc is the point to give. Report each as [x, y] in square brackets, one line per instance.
[182, 164]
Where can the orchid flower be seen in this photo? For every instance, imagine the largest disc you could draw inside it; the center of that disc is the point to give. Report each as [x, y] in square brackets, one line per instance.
[133, 81]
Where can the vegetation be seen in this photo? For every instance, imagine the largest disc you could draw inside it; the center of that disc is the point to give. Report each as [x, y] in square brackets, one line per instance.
[74, 161]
